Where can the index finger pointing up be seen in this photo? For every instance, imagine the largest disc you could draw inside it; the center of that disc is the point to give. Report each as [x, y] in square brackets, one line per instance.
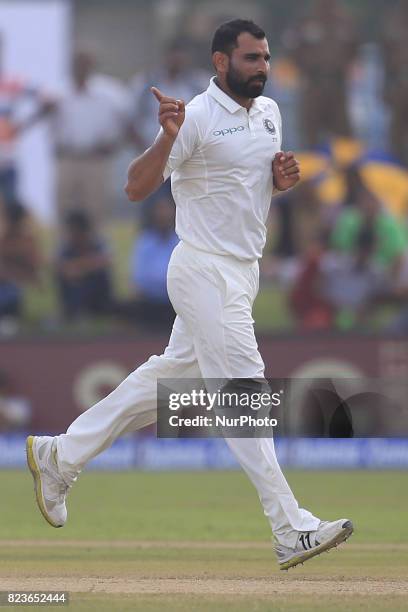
[157, 93]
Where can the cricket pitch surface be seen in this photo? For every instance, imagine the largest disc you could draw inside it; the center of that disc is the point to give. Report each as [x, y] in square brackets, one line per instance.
[198, 541]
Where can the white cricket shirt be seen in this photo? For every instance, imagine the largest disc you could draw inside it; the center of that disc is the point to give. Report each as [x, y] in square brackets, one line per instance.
[221, 173]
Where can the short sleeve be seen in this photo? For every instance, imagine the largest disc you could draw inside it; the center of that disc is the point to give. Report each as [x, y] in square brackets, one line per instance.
[280, 125]
[184, 145]
[279, 119]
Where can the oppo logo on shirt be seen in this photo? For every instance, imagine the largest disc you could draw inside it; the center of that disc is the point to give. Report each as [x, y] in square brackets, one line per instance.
[229, 131]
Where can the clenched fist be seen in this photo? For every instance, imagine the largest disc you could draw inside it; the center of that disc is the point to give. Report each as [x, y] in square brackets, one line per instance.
[286, 170]
[171, 112]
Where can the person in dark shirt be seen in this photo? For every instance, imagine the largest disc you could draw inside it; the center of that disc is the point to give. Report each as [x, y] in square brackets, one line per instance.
[149, 304]
[20, 259]
[83, 270]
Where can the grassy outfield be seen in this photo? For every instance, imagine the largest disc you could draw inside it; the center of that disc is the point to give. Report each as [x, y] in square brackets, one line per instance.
[199, 541]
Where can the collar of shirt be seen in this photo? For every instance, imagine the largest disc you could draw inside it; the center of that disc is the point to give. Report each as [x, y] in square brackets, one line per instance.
[228, 103]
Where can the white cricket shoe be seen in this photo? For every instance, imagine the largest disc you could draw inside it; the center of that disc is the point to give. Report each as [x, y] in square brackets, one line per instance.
[312, 543]
[50, 488]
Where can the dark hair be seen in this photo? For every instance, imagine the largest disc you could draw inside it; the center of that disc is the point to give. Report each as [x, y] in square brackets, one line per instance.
[15, 212]
[225, 37]
[77, 219]
[366, 238]
[354, 184]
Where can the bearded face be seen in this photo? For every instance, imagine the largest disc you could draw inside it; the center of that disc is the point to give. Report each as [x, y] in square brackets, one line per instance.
[251, 87]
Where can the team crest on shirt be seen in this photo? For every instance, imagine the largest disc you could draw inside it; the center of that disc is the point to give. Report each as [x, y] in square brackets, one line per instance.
[269, 126]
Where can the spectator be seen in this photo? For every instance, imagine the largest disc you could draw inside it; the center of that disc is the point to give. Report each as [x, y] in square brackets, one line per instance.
[336, 289]
[311, 310]
[350, 282]
[323, 46]
[353, 183]
[20, 260]
[176, 77]
[15, 409]
[389, 236]
[21, 106]
[349, 195]
[373, 237]
[83, 270]
[300, 220]
[150, 305]
[340, 286]
[396, 294]
[89, 124]
[396, 78]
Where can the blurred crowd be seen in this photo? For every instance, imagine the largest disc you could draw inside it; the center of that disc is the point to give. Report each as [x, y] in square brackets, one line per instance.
[338, 243]
[341, 264]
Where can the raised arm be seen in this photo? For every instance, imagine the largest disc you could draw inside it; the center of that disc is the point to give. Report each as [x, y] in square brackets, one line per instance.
[145, 173]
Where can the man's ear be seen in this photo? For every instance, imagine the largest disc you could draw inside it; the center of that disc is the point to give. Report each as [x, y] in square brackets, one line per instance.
[221, 62]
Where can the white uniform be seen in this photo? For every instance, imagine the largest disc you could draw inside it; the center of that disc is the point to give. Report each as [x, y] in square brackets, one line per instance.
[222, 184]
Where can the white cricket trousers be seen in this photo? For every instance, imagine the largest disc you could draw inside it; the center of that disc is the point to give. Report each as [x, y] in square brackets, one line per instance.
[212, 338]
